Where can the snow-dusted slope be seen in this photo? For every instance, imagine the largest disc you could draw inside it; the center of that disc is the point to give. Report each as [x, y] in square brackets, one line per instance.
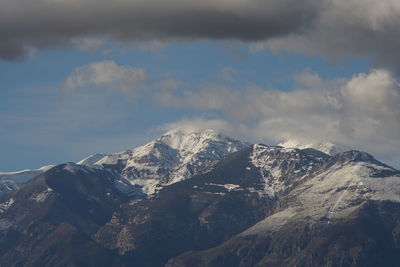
[336, 192]
[320, 187]
[283, 168]
[175, 156]
[8, 186]
[91, 160]
[326, 147]
[324, 209]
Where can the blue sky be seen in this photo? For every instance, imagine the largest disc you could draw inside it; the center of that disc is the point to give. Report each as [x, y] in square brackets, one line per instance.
[258, 83]
[31, 94]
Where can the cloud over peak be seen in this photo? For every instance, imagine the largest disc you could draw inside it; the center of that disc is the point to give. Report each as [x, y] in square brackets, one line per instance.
[361, 112]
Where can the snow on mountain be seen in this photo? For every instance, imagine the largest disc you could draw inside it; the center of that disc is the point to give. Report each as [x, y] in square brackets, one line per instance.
[10, 181]
[263, 203]
[318, 186]
[175, 156]
[8, 186]
[281, 168]
[91, 160]
[343, 187]
[24, 175]
[326, 147]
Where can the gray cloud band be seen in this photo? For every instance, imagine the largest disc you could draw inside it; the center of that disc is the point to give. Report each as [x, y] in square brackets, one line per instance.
[52, 23]
[331, 28]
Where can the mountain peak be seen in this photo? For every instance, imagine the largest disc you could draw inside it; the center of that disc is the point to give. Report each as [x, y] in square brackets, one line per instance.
[91, 160]
[326, 147]
[188, 131]
[175, 156]
[190, 139]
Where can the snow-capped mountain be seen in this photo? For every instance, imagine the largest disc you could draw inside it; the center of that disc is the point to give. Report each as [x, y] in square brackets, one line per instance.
[326, 147]
[175, 156]
[319, 200]
[10, 181]
[325, 187]
[91, 160]
[24, 175]
[259, 206]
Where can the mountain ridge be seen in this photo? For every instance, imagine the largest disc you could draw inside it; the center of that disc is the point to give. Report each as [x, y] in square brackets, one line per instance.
[259, 206]
[326, 147]
[176, 155]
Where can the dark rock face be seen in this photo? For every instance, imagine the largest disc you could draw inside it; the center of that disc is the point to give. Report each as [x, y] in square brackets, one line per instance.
[261, 206]
[52, 217]
[193, 214]
[369, 237]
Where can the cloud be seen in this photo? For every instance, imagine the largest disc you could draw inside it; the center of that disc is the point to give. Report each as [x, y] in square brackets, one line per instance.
[348, 28]
[170, 83]
[198, 124]
[208, 96]
[227, 74]
[47, 24]
[88, 44]
[107, 75]
[332, 28]
[362, 112]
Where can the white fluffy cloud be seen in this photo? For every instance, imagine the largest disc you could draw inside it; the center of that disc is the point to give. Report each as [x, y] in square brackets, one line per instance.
[201, 123]
[362, 112]
[107, 75]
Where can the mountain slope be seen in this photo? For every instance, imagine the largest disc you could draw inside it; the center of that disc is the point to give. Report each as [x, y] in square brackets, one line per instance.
[11, 181]
[305, 186]
[175, 156]
[193, 214]
[50, 220]
[259, 206]
[340, 215]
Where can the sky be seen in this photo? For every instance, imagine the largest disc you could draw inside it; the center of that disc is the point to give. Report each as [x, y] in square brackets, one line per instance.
[80, 77]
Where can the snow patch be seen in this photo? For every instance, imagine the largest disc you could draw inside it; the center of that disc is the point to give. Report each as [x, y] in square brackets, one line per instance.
[229, 187]
[149, 186]
[91, 160]
[6, 205]
[41, 197]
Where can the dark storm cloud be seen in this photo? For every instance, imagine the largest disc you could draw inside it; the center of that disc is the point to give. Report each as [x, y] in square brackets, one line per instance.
[44, 24]
[332, 28]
